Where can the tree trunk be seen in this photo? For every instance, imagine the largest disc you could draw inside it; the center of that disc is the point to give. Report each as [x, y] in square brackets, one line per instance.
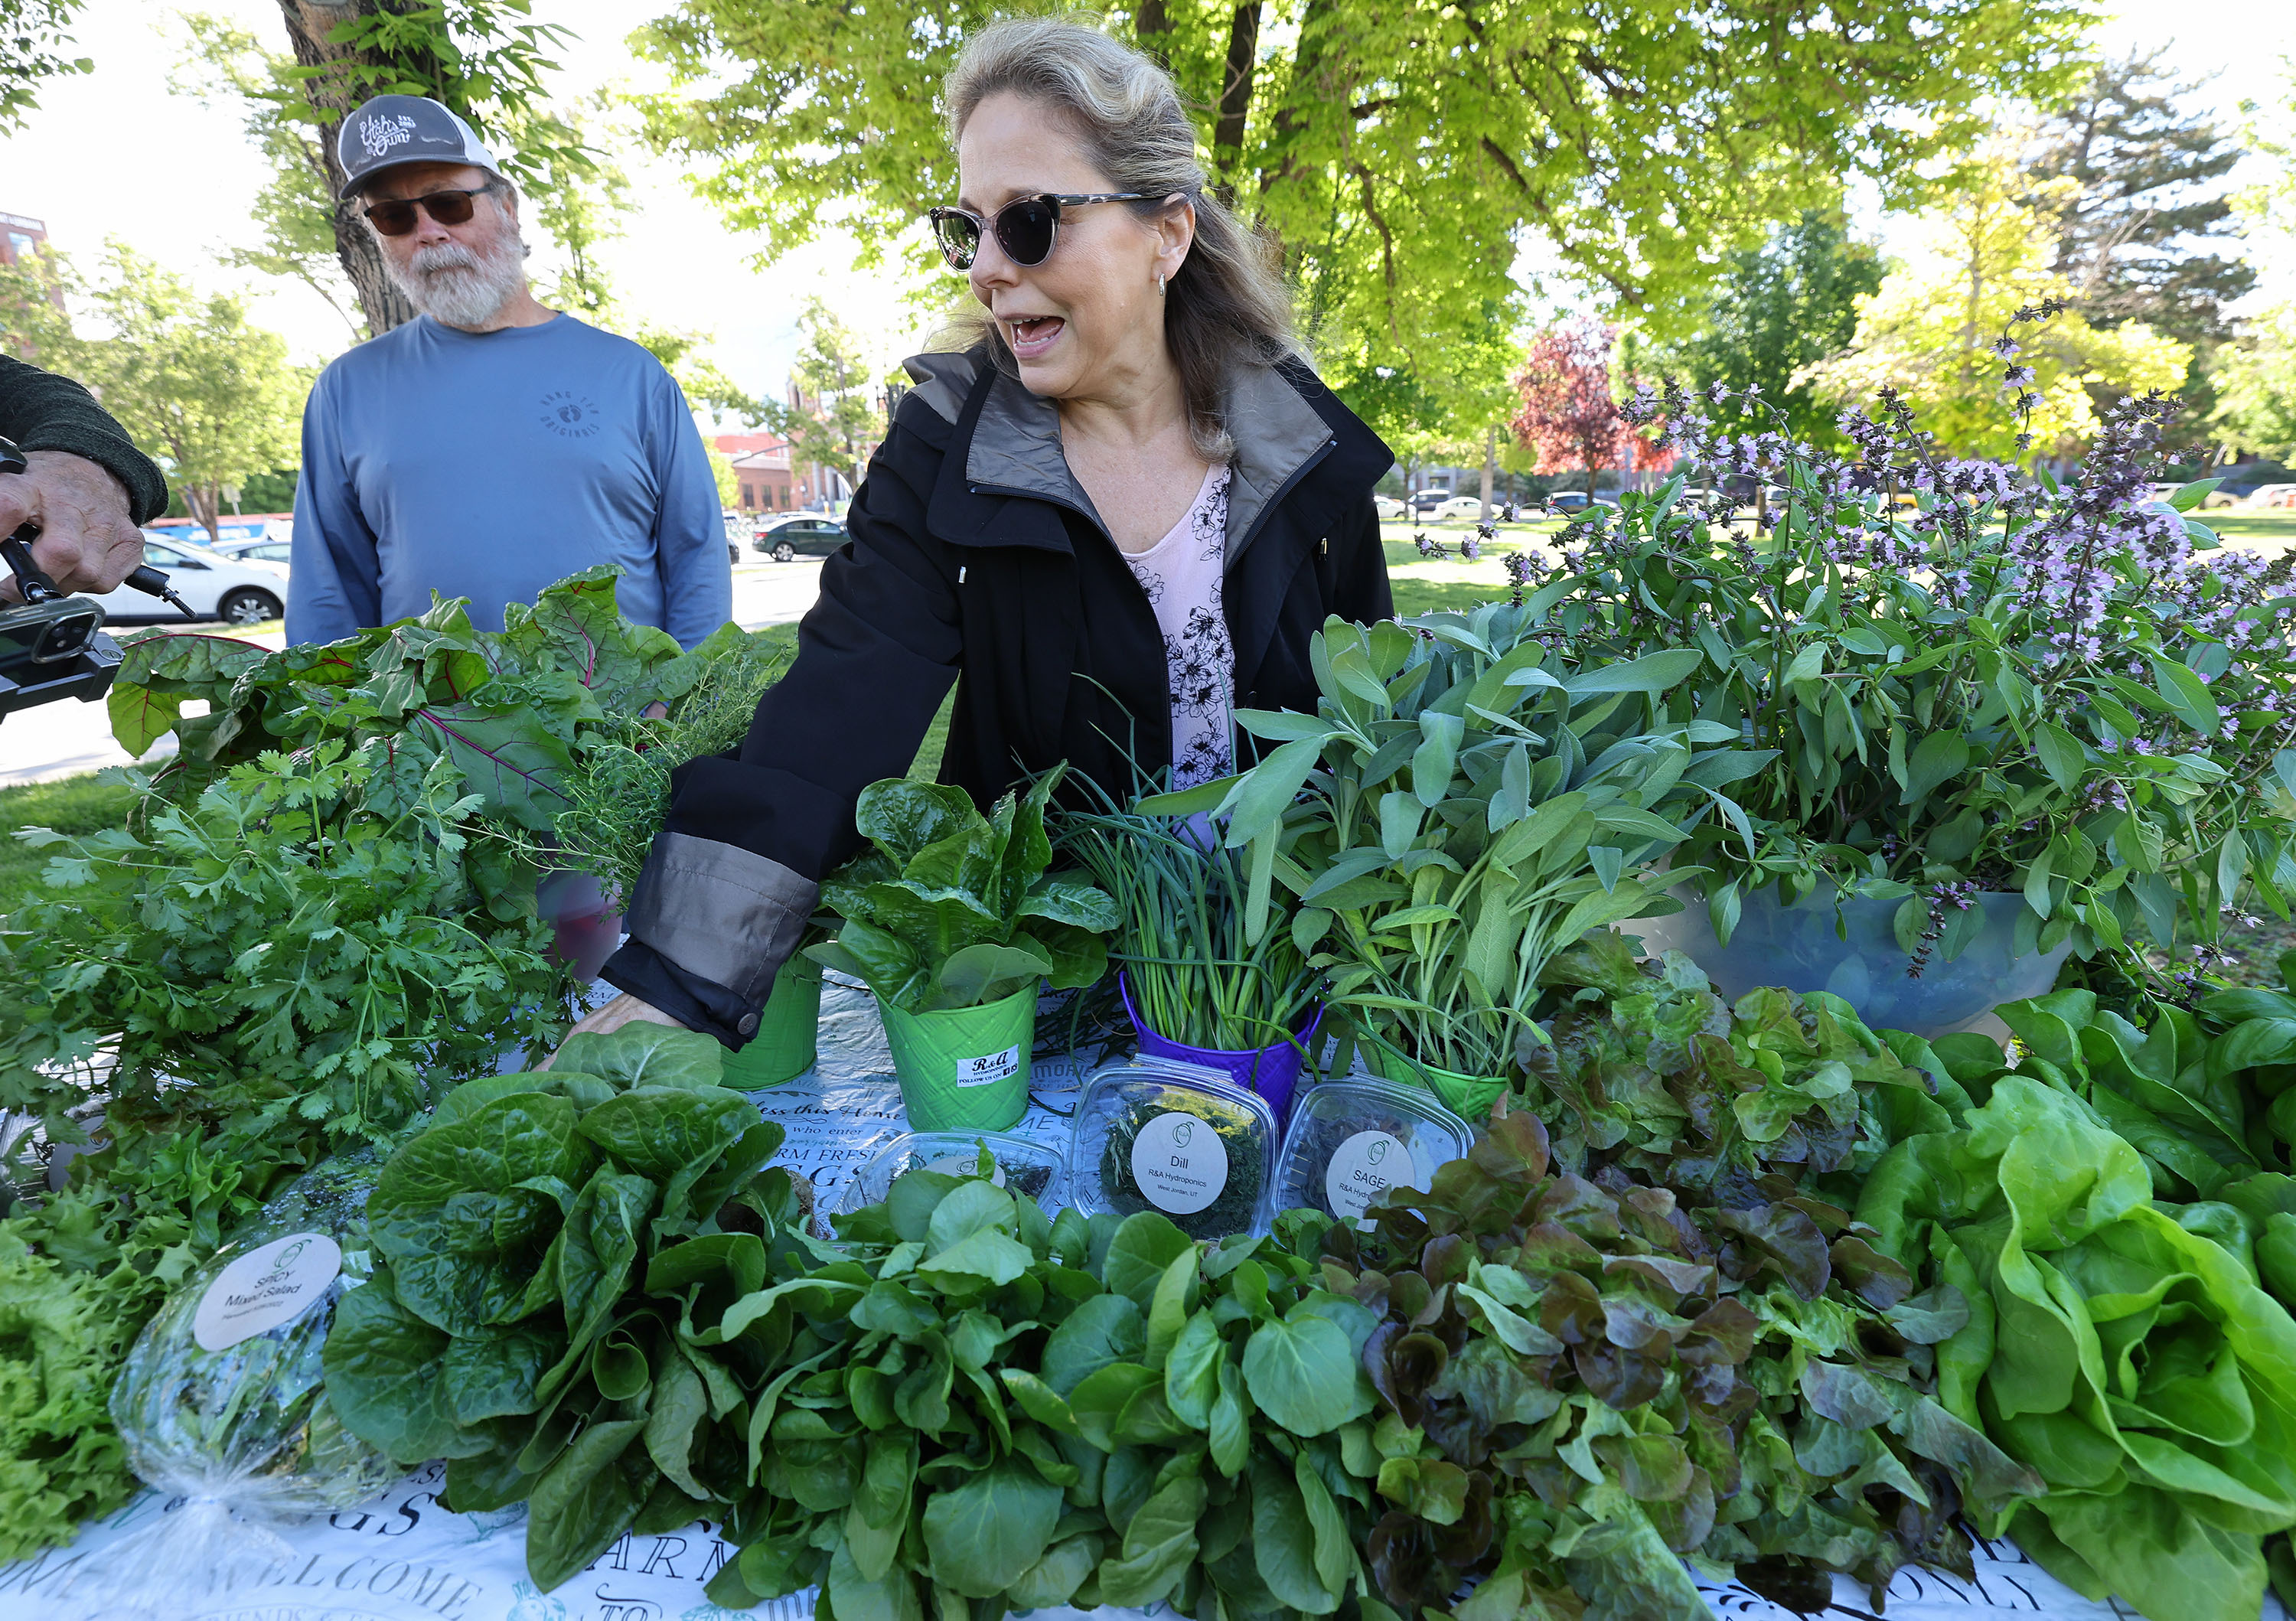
[1490, 470]
[204, 502]
[1150, 26]
[1235, 90]
[335, 94]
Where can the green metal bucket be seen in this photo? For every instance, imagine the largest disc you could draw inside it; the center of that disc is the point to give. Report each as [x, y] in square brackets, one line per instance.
[782, 1049]
[1468, 1096]
[964, 1069]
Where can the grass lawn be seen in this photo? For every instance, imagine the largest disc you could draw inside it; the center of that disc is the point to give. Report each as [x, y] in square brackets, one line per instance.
[70, 805]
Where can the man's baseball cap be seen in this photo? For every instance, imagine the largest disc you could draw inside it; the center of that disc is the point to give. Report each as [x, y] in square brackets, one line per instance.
[394, 130]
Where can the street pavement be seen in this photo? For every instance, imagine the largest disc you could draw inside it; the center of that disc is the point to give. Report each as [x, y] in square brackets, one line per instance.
[63, 740]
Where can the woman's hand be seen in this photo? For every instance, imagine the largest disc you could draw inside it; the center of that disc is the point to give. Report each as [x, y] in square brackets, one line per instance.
[624, 1009]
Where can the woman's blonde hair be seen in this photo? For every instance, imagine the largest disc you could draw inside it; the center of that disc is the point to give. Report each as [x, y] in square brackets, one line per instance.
[1228, 307]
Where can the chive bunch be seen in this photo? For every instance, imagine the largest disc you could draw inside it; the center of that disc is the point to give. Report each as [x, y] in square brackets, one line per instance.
[1193, 977]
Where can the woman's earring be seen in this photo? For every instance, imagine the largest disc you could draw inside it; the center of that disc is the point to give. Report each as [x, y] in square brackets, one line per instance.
[1160, 286]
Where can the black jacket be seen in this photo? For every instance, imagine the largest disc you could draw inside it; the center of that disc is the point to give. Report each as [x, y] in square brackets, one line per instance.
[977, 558]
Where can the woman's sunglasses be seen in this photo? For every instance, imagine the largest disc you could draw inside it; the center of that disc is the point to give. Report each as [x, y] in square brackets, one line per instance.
[395, 217]
[1024, 227]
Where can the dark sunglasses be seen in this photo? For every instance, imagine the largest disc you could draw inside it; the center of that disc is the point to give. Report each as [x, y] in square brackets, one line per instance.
[1024, 227]
[395, 217]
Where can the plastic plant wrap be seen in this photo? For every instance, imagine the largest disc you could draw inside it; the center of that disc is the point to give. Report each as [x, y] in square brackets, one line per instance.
[1350, 1141]
[222, 1401]
[1019, 1165]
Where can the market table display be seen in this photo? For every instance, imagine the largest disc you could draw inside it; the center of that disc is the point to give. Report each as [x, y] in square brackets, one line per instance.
[402, 1557]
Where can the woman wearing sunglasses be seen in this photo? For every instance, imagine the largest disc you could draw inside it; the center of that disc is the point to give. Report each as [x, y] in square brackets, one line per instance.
[1114, 511]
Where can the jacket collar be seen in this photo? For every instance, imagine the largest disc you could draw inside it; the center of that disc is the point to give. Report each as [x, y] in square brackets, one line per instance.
[1280, 433]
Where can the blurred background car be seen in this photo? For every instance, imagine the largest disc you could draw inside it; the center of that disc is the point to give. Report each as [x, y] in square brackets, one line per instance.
[787, 539]
[1459, 506]
[1390, 508]
[1427, 500]
[266, 550]
[1571, 502]
[238, 591]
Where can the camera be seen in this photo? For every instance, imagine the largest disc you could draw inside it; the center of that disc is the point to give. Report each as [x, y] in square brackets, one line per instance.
[52, 646]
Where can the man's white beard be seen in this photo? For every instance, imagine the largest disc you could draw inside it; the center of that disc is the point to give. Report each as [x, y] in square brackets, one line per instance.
[459, 287]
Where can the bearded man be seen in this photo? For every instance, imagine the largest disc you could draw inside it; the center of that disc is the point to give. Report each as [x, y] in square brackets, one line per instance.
[491, 446]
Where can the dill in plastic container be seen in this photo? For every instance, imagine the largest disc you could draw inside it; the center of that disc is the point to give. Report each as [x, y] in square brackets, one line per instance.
[1157, 1134]
[1352, 1140]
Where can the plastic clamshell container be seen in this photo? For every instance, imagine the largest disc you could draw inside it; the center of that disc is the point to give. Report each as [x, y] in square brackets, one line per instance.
[1140, 1142]
[1018, 1160]
[1351, 1139]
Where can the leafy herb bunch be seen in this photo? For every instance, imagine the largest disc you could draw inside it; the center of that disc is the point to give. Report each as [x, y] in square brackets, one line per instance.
[1465, 808]
[1586, 1380]
[2059, 687]
[980, 1408]
[541, 1248]
[953, 909]
[1189, 969]
[314, 921]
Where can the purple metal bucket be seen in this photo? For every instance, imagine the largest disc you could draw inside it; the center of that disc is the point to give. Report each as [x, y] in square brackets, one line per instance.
[1272, 1072]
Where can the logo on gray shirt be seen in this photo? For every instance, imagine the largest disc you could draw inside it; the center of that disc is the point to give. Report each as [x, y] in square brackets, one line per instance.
[569, 415]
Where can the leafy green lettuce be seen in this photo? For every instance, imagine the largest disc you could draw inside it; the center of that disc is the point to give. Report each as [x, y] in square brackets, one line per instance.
[2119, 1347]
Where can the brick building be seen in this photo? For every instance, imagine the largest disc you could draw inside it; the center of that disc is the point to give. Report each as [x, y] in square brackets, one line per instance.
[761, 469]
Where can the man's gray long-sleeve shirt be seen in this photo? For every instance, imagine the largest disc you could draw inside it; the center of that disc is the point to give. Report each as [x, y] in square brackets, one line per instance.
[489, 465]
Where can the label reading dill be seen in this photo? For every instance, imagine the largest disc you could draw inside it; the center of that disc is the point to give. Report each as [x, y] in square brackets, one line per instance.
[1180, 1163]
[1362, 1168]
[989, 1067]
[264, 1287]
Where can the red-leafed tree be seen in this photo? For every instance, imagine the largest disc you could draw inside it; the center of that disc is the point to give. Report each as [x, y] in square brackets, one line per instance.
[1567, 417]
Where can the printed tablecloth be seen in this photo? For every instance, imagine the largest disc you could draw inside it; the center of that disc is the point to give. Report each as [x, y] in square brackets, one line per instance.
[403, 1558]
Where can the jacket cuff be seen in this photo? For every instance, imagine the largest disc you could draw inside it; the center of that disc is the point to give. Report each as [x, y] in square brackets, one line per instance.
[694, 1002]
[720, 912]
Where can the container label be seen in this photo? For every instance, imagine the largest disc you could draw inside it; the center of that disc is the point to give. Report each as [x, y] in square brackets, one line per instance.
[1362, 1168]
[1180, 1163]
[264, 1287]
[989, 1067]
[966, 1165]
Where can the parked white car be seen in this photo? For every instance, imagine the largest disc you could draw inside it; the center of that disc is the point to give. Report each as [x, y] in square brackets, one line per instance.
[1390, 508]
[2272, 495]
[1461, 506]
[214, 586]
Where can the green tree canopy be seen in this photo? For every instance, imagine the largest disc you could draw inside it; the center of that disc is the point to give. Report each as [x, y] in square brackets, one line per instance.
[1397, 151]
[1929, 332]
[2146, 202]
[33, 36]
[1775, 311]
[2256, 385]
[211, 396]
[835, 417]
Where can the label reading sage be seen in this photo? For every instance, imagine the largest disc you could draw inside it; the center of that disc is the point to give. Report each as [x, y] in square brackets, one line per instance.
[1362, 1168]
[1180, 1163]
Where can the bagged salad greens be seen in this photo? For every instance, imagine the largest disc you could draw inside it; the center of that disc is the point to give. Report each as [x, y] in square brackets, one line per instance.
[222, 1401]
